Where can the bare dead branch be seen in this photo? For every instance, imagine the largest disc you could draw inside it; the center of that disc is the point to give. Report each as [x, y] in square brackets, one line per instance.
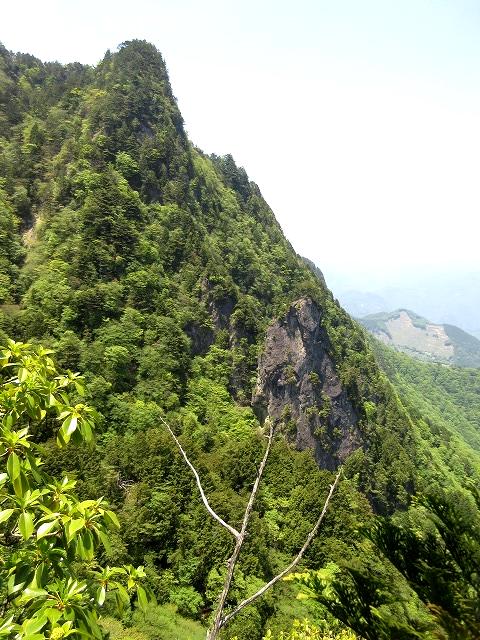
[215, 516]
[294, 562]
[218, 619]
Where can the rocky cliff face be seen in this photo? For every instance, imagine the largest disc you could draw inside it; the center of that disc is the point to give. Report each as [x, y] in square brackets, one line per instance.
[299, 388]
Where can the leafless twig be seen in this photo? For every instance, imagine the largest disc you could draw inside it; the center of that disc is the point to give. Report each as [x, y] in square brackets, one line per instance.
[234, 532]
[218, 619]
[294, 562]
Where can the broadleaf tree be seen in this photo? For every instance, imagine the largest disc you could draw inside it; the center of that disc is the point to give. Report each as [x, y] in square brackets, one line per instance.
[51, 585]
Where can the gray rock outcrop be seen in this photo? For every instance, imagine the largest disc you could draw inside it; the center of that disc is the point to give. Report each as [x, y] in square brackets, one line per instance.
[299, 388]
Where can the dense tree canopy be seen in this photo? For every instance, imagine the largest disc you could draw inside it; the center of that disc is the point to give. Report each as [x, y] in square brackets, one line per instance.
[435, 550]
[156, 269]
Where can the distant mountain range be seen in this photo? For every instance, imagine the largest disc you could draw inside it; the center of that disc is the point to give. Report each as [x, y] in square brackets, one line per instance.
[446, 298]
[408, 332]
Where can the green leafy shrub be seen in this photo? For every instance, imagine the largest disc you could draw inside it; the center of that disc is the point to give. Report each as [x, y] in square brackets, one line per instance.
[50, 586]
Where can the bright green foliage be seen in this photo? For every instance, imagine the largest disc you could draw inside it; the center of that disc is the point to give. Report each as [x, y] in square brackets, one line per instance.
[367, 597]
[50, 583]
[155, 270]
[158, 621]
[188, 601]
[430, 557]
[305, 630]
[12, 250]
[441, 561]
[445, 396]
[150, 253]
[445, 408]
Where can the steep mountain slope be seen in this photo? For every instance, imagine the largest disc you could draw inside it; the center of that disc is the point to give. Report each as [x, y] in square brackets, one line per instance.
[466, 347]
[145, 252]
[316, 270]
[447, 395]
[445, 402]
[162, 274]
[406, 331]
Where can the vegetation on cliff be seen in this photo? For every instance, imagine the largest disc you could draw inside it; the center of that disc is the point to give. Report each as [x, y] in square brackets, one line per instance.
[156, 270]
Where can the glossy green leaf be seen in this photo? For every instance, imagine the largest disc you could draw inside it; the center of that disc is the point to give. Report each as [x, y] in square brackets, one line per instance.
[22, 374]
[87, 543]
[13, 466]
[105, 540]
[123, 593]
[53, 615]
[5, 515]
[41, 573]
[101, 593]
[8, 421]
[80, 388]
[25, 524]
[45, 528]
[34, 625]
[69, 425]
[87, 430]
[73, 527]
[111, 519]
[21, 485]
[6, 626]
[52, 401]
[30, 592]
[13, 586]
[142, 598]
[84, 545]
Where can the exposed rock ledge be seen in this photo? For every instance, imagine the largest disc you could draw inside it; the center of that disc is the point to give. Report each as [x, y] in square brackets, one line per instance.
[299, 388]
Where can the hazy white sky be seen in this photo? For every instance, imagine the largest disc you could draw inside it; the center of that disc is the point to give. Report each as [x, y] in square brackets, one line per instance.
[359, 119]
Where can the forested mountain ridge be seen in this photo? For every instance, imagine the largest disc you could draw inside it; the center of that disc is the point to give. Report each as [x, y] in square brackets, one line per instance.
[162, 274]
[131, 221]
